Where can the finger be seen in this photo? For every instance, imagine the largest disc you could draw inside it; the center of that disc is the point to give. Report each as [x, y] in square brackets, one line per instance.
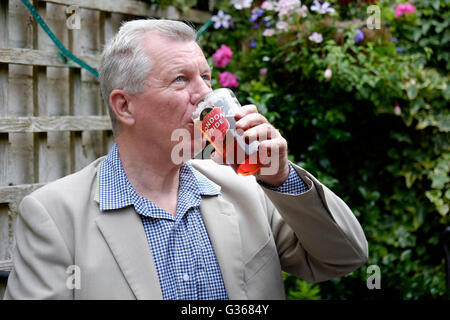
[273, 150]
[244, 110]
[279, 143]
[250, 120]
[261, 132]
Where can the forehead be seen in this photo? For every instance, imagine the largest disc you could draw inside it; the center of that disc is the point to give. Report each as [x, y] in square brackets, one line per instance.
[168, 53]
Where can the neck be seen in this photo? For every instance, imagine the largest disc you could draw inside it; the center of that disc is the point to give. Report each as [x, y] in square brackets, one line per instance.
[151, 173]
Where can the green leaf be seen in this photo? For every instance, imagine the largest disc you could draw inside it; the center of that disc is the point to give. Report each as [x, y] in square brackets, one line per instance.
[435, 4]
[426, 26]
[416, 34]
[406, 255]
[434, 195]
[447, 194]
[411, 91]
[304, 291]
[443, 210]
[410, 177]
[439, 181]
[444, 125]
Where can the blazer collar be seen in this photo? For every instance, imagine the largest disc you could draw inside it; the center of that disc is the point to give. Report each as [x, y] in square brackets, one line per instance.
[114, 191]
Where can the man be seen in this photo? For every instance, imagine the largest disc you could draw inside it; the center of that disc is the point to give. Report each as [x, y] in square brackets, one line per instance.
[136, 225]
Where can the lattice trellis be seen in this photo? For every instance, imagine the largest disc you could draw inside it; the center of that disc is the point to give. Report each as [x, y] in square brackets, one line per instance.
[52, 119]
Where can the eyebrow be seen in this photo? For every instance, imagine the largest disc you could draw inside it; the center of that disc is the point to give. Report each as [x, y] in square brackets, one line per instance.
[184, 69]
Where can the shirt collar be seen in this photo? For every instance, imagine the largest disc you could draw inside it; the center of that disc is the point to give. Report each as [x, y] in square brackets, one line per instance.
[115, 191]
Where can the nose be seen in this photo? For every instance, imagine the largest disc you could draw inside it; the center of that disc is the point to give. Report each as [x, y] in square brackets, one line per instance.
[200, 89]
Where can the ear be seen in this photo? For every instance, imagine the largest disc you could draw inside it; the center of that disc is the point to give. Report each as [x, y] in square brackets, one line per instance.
[119, 101]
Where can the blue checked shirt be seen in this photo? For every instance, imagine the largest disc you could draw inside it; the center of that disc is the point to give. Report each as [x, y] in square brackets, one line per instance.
[182, 252]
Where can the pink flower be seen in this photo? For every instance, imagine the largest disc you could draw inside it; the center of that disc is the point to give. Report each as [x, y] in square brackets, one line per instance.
[397, 110]
[282, 25]
[316, 37]
[404, 8]
[228, 79]
[268, 32]
[328, 73]
[268, 5]
[222, 56]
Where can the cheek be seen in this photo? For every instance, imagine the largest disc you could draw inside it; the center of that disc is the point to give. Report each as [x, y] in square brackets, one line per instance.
[166, 110]
[172, 114]
[175, 108]
[160, 109]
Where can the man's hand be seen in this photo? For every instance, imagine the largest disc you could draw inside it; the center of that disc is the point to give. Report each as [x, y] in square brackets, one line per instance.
[272, 148]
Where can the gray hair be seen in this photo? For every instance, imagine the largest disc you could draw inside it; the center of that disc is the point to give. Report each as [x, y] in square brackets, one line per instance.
[124, 64]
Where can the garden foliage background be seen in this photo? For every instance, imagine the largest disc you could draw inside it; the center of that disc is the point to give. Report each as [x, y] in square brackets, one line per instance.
[366, 111]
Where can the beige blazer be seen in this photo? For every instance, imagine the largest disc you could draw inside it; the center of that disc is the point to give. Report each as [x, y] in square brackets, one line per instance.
[255, 233]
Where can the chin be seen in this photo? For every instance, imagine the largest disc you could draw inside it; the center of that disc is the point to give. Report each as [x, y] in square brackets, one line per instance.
[186, 142]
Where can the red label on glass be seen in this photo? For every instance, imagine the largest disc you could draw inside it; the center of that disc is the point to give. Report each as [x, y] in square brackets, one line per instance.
[215, 123]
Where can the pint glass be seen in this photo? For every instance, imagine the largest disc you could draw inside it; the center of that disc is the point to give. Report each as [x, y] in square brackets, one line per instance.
[214, 116]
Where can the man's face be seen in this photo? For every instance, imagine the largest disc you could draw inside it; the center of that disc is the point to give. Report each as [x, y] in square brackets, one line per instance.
[179, 78]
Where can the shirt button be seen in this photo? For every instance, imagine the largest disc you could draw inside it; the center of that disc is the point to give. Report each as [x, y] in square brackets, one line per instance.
[186, 277]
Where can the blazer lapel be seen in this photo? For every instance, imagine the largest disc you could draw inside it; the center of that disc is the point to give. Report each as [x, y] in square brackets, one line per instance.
[125, 235]
[221, 221]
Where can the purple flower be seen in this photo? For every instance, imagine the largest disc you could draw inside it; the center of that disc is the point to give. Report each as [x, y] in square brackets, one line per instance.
[221, 20]
[259, 12]
[321, 7]
[253, 44]
[316, 37]
[267, 22]
[359, 36]
[256, 14]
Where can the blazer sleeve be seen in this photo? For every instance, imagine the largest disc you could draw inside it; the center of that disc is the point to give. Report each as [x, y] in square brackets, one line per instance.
[318, 237]
[40, 257]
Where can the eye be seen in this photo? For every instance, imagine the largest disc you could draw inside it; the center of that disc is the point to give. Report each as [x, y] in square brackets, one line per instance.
[179, 79]
[206, 77]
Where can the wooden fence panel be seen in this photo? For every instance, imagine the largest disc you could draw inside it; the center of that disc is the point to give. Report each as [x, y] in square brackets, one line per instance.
[5, 242]
[40, 94]
[52, 119]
